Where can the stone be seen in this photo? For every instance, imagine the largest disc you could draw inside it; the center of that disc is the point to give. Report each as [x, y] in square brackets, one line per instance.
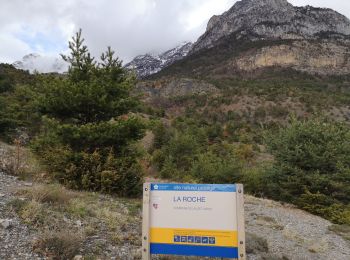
[6, 223]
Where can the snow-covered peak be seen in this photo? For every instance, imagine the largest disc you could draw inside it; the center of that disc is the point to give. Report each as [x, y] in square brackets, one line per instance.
[42, 64]
[149, 64]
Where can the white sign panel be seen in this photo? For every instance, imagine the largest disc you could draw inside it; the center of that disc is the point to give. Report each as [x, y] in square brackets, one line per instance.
[194, 220]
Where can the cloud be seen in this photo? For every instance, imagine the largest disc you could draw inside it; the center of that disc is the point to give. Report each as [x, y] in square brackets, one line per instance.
[130, 27]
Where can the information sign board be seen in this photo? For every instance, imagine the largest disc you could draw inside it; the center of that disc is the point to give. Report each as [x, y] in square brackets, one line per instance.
[193, 220]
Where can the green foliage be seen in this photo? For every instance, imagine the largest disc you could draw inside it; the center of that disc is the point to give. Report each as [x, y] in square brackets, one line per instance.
[16, 109]
[191, 151]
[312, 167]
[211, 167]
[87, 125]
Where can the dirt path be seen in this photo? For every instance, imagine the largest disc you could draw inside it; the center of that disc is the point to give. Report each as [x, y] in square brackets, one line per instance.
[15, 238]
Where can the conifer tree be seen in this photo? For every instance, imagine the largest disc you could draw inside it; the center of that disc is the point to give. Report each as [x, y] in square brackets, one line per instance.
[87, 126]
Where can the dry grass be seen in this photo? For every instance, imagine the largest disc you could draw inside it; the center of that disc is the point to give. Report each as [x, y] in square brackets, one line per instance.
[52, 194]
[19, 161]
[342, 230]
[58, 213]
[63, 244]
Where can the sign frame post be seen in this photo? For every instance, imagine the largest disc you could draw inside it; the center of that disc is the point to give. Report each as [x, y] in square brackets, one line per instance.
[241, 224]
[237, 217]
[146, 254]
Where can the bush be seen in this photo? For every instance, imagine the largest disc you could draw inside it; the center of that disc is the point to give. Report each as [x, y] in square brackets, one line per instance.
[62, 244]
[312, 167]
[211, 168]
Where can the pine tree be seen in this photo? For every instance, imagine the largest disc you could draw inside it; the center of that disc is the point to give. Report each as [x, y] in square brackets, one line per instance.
[87, 127]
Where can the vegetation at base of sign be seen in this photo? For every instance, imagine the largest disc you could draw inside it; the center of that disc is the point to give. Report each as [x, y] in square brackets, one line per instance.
[87, 134]
[69, 222]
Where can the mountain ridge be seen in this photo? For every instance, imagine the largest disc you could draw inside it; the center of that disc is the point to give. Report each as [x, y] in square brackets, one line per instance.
[148, 64]
[272, 19]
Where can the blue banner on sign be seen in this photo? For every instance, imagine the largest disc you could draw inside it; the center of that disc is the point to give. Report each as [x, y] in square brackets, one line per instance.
[189, 250]
[193, 187]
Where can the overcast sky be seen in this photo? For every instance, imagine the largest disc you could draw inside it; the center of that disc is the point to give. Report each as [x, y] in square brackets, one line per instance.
[131, 27]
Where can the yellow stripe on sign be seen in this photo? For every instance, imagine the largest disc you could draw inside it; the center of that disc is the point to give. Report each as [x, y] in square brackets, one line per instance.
[170, 235]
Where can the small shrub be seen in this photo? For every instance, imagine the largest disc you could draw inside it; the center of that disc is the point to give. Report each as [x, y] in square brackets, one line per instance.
[245, 152]
[256, 244]
[60, 245]
[16, 204]
[33, 213]
[52, 194]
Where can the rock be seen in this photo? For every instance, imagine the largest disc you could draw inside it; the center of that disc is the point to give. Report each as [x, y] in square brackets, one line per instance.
[6, 223]
[28, 184]
[78, 257]
[327, 57]
[79, 223]
[2, 195]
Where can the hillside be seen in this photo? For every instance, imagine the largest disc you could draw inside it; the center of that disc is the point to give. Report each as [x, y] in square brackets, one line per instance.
[99, 226]
[254, 91]
[262, 98]
[251, 52]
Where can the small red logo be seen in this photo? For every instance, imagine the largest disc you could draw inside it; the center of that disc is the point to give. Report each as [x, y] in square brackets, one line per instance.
[155, 206]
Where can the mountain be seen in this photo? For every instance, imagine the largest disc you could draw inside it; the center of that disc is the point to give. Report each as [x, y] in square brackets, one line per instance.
[43, 64]
[261, 60]
[273, 19]
[148, 64]
[262, 34]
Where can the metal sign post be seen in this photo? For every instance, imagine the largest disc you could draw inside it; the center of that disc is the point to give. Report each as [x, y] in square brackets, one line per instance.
[193, 220]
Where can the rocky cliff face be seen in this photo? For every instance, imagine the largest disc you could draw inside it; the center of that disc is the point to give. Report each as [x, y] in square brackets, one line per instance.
[325, 58]
[273, 19]
[148, 64]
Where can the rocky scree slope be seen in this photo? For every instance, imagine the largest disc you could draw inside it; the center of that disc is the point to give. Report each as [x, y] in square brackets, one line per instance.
[148, 64]
[16, 239]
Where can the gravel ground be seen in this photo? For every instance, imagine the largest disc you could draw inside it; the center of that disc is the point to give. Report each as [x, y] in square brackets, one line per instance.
[292, 233]
[15, 238]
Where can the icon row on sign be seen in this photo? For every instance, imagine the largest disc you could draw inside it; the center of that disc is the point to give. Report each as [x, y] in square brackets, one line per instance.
[194, 240]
